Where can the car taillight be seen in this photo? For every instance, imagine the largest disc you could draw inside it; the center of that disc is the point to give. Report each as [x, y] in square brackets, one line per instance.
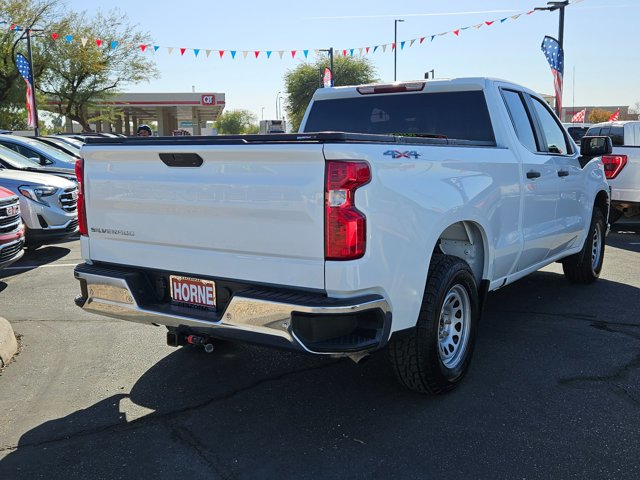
[613, 164]
[345, 226]
[82, 216]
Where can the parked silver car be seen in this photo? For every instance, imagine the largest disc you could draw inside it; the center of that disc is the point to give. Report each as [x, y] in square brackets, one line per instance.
[48, 204]
[44, 154]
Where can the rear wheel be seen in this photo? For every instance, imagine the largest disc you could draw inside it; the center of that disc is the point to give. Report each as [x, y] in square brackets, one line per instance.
[585, 266]
[435, 357]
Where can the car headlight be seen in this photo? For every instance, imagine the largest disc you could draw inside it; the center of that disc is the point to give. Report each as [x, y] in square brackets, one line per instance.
[37, 194]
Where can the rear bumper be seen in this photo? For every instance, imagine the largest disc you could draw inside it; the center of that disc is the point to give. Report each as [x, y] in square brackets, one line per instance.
[300, 321]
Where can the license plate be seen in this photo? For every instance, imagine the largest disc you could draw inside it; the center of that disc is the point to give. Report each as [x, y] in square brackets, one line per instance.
[193, 292]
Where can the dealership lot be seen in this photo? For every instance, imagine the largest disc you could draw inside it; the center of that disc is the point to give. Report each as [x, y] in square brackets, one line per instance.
[553, 392]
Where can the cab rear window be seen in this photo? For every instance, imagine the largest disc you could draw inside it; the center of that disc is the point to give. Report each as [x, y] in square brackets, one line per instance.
[615, 132]
[452, 115]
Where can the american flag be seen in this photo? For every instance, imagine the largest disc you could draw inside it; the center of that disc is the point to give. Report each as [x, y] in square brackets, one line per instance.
[579, 117]
[555, 57]
[23, 67]
[614, 117]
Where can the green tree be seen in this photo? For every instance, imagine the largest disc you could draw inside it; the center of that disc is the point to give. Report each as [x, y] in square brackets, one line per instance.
[599, 115]
[45, 15]
[237, 121]
[85, 74]
[305, 79]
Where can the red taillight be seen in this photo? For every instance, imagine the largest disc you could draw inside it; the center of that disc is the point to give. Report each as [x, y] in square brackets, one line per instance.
[345, 227]
[613, 164]
[82, 216]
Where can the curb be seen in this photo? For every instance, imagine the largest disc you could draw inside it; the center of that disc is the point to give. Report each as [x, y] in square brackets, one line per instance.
[8, 343]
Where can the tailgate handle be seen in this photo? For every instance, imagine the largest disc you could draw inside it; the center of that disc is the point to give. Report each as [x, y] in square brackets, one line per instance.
[181, 159]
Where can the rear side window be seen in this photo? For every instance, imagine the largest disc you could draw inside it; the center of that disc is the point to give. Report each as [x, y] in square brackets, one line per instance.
[615, 132]
[520, 119]
[454, 115]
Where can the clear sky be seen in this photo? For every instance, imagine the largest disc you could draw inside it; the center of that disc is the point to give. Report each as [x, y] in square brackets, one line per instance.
[600, 40]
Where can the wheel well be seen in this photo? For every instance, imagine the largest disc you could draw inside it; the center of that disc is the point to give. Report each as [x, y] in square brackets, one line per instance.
[602, 202]
[464, 240]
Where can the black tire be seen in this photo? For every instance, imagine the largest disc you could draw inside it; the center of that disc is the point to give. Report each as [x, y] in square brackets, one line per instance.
[435, 357]
[585, 266]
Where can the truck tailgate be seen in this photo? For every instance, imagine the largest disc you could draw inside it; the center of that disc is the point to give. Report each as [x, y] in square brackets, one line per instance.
[245, 212]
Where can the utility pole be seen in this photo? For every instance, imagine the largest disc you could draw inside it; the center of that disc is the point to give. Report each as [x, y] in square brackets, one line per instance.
[552, 7]
[395, 47]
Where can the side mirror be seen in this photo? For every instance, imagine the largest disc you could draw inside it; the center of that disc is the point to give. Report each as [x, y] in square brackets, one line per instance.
[595, 146]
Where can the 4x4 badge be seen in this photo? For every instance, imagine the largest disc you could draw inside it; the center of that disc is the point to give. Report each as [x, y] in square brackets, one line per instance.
[399, 154]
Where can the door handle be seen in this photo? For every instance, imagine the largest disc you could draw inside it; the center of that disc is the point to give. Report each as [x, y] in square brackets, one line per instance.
[563, 173]
[533, 174]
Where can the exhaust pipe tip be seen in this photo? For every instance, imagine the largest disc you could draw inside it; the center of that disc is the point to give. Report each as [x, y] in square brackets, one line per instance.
[359, 358]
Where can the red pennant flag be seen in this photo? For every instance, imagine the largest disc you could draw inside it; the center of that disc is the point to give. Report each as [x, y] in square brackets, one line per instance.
[614, 117]
[456, 32]
[13, 26]
[143, 47]
[421, 39]
[293, 53]
[344, 53]
[98, 42]
[54, 36]
[368, 49]
[221, 52]
[256, 53]
[393, 47]
[182, 50]
[489, 23]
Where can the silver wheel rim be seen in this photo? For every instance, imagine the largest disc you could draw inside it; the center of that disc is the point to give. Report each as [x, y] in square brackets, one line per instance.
[596, 247]
[453, 326]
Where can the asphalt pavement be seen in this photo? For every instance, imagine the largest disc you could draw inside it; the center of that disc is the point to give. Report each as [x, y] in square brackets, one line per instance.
[553, 392]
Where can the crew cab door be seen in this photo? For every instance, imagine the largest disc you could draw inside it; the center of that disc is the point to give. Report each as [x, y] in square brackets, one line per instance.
[540, 188]
[555, 145]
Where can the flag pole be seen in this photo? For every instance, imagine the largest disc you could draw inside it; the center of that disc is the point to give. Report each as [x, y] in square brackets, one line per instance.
[33, 84]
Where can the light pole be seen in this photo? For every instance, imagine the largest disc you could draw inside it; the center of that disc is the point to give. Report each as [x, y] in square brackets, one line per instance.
[262, 113]
[551, 7]
[395, 47]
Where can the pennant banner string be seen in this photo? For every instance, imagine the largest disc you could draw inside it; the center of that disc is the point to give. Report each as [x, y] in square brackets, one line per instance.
[266, 54]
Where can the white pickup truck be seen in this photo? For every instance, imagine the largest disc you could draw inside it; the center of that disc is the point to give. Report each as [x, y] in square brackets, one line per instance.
[343, 243]
[622, 167]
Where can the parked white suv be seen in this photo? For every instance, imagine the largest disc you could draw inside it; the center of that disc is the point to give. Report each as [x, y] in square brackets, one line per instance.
[622, 167]
[48, 204]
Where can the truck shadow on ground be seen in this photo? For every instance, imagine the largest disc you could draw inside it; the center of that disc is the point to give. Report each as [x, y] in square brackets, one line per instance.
[250, 412]
[625, 236]
[34, 259]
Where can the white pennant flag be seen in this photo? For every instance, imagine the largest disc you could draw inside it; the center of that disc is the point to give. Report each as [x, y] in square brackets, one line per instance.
[84, 41]
[208, 52]
[478, 25]
[244, 54]
[413, 40]
[384, 48]
[170, 50]
[281, 53]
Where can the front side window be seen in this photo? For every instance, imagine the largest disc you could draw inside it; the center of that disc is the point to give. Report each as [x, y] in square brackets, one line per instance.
[556, 142]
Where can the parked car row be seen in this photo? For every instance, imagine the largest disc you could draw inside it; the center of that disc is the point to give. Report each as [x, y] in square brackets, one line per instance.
[38, 195]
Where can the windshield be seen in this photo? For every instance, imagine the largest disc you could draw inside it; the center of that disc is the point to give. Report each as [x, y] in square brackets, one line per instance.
[64, 145]
[15, 159]
[452, 115]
